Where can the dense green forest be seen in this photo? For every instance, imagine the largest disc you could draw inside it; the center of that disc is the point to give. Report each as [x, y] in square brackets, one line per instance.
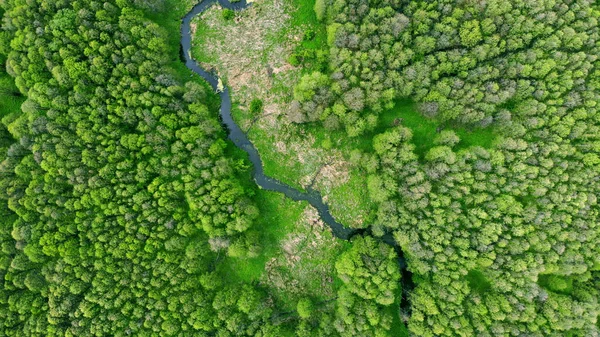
[503, 240]
[124, 209]
[119, 191]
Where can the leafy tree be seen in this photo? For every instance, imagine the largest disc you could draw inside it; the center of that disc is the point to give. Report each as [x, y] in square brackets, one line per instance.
[305, 308]
[370, 270]
[320, 8]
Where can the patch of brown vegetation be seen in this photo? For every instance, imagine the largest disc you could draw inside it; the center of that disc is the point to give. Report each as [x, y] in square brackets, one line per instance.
[241, 46]
[335, 174]
[281, 147]
[284, 68]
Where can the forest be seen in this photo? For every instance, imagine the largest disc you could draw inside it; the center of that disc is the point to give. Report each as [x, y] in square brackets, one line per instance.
[502, 240]
[458, 140]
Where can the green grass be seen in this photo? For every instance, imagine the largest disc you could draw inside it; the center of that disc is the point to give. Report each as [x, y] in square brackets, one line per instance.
[205, 33]
[556, 283]
[305, 17]
[425, 129]
[278, 215]
[305, 14]
[476, 137]
[350, 204]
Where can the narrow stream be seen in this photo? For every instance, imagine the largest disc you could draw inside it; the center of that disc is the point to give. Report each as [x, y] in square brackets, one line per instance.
[240, 139]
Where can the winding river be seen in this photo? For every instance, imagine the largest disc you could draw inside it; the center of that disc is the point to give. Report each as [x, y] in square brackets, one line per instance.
[240, 139]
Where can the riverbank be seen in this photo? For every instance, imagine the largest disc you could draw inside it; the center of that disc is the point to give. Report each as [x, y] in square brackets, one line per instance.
[241, 140]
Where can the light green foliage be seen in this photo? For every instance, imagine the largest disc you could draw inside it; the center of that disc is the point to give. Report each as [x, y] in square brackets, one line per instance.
[370, 270]
[309, 85]
[356, 316]
[377, 191]
[331, 33]
[305, 308]
[447, 137]
[470, 33]
[320, 9]
[294, 60]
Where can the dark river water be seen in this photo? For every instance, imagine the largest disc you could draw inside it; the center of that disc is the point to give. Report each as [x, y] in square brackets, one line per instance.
[240, 139]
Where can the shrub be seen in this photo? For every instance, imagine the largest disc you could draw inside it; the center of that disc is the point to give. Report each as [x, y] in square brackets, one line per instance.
[256, 106]
[294, 60]
[228, 14]
[309, 35]
[304, 308]
[327, 144]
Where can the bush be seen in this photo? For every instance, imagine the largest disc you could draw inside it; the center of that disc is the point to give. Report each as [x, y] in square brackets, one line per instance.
[304, 308]
[309, 35]
[256, 106]
[228, 14]
[294, 60]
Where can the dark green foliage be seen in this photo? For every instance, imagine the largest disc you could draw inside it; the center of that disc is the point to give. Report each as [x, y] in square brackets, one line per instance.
[256, 106]
[294, 60]
[228, 14]
[477, 281]
[556, 283]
